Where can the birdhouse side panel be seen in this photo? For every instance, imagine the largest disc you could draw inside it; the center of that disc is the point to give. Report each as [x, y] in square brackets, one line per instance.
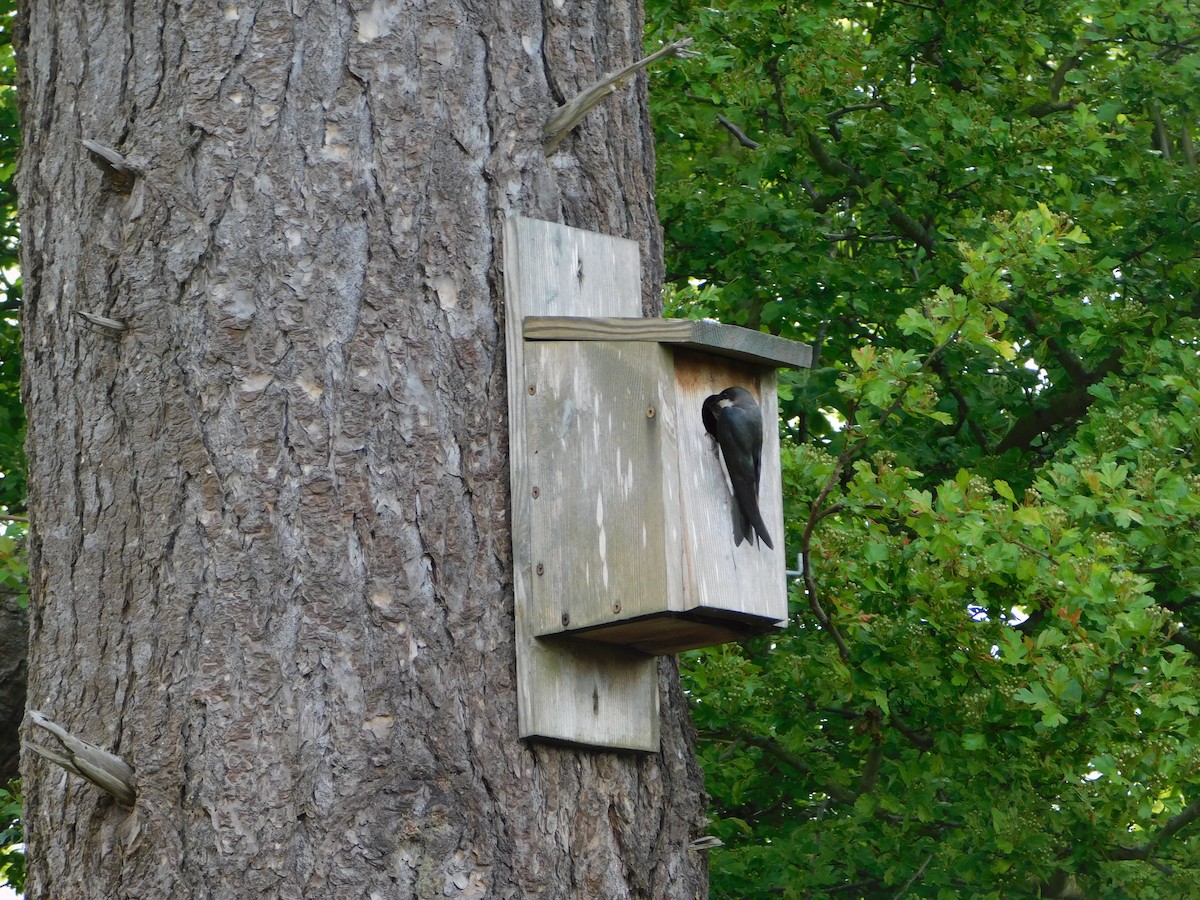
[596, 432]
[721, 575]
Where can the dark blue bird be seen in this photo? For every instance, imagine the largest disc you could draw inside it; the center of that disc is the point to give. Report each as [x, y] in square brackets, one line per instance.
[734, 419]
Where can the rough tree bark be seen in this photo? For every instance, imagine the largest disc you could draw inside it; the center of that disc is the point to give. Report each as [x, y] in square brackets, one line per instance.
[270, 543]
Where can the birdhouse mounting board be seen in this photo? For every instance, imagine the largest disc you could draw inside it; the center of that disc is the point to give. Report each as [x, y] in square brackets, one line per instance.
[567, 692]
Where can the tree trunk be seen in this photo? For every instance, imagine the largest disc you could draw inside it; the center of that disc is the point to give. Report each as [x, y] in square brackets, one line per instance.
[270, 550]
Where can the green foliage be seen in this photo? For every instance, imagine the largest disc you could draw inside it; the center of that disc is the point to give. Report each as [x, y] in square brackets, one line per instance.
[985, 218]
[12, 419]
[12, 856]
[13, 560]
[14, 563]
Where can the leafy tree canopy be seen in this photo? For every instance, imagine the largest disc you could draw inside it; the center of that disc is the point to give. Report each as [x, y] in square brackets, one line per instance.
[13, 568]
[12, 419]
[985, 217]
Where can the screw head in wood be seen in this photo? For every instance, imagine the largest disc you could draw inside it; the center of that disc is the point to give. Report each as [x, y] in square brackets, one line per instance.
[532, 389]
[650, 412]
[617, 606]
[566, 619]
[536, 493]
[541, 569]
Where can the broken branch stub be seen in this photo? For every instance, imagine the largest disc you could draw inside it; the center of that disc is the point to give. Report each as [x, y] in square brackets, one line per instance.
[105, 770]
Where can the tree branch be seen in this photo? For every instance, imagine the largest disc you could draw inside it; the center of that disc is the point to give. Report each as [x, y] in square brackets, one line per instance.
[1068, 360]
[1044, 108]
[921, 741]
[1175, 824]
[914, 5]
[1186, 147]
[738, 133]
[858, 107]
[870, 773]
[105, 770]
[1184, 638]
[909, 227]
[964, 408]
[780, 103]
[1175, 47]
[1162, 140]
[814, 600]
[791, 760]
[916, 876]
[1059, 78]
[1067, 407]
[858, 236]
[903, 222]
[572, 112]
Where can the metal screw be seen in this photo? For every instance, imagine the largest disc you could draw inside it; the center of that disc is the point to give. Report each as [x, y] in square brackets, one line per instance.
[533, 389]
[541, 569]
[617, 606]
[536, 493]
[566, 619]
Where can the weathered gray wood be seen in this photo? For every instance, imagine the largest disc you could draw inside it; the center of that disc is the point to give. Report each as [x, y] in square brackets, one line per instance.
[631, 517]
[572, 112]
[718, 573]
[712, 337]
[665, 574]
[601, 445]
[105, 770]
[567, 692]
[670, 633]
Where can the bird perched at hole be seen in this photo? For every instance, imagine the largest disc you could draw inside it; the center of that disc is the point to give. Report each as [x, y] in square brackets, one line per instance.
[734, 419]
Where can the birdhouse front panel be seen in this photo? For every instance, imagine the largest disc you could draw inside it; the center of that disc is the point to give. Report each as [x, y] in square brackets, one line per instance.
[604, 479]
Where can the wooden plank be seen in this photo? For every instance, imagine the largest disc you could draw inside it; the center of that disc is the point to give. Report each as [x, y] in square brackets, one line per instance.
[600, 468]
[718, 571]
[712, 337]
[674, 634]
[580, 694]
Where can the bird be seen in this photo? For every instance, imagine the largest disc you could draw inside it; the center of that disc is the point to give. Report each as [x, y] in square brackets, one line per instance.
[734, 419]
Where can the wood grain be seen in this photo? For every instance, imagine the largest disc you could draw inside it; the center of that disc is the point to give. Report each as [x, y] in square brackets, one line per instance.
[567, 692]
[712, 337]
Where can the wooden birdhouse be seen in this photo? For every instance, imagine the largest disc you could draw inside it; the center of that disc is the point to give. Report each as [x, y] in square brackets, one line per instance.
[629, 537]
